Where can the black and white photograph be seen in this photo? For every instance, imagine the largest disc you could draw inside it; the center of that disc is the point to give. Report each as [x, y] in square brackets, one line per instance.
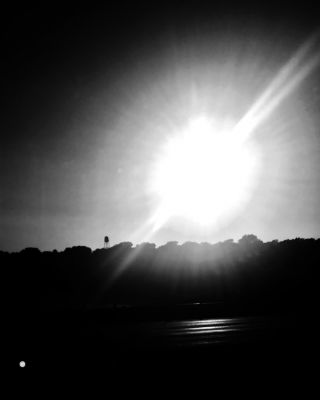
[160, 189]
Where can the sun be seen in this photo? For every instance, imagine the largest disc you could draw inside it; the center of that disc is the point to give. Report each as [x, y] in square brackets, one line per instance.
[204, 174]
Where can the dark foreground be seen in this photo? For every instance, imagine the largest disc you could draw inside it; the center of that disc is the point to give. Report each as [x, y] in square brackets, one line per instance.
[186, 341]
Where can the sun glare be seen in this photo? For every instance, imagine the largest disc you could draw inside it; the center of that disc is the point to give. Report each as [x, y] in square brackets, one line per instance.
[204, 174]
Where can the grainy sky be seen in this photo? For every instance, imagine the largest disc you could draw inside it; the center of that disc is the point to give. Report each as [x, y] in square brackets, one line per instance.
[89, 96]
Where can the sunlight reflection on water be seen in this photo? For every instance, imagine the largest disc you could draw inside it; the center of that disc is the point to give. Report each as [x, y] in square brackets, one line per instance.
[208, 326]
[177, 333]
[206, 322]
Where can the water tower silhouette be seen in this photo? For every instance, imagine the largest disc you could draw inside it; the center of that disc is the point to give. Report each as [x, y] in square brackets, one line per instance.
[106, 242]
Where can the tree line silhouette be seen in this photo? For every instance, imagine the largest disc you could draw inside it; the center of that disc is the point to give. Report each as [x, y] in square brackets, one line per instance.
[271, 274]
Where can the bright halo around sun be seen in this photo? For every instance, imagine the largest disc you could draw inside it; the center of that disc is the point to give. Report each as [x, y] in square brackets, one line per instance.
[204, 174]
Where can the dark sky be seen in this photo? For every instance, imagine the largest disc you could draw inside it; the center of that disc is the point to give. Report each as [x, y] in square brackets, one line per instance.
[88, 96]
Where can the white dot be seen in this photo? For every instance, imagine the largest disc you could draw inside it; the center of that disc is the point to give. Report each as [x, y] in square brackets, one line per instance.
[22, 364]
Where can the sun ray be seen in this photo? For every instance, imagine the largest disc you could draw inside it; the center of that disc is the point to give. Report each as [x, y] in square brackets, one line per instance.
[301, 64]
[206, 171]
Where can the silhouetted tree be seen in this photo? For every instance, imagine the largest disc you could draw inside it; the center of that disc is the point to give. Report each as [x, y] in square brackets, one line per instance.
[249, 240]
[252, 271]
